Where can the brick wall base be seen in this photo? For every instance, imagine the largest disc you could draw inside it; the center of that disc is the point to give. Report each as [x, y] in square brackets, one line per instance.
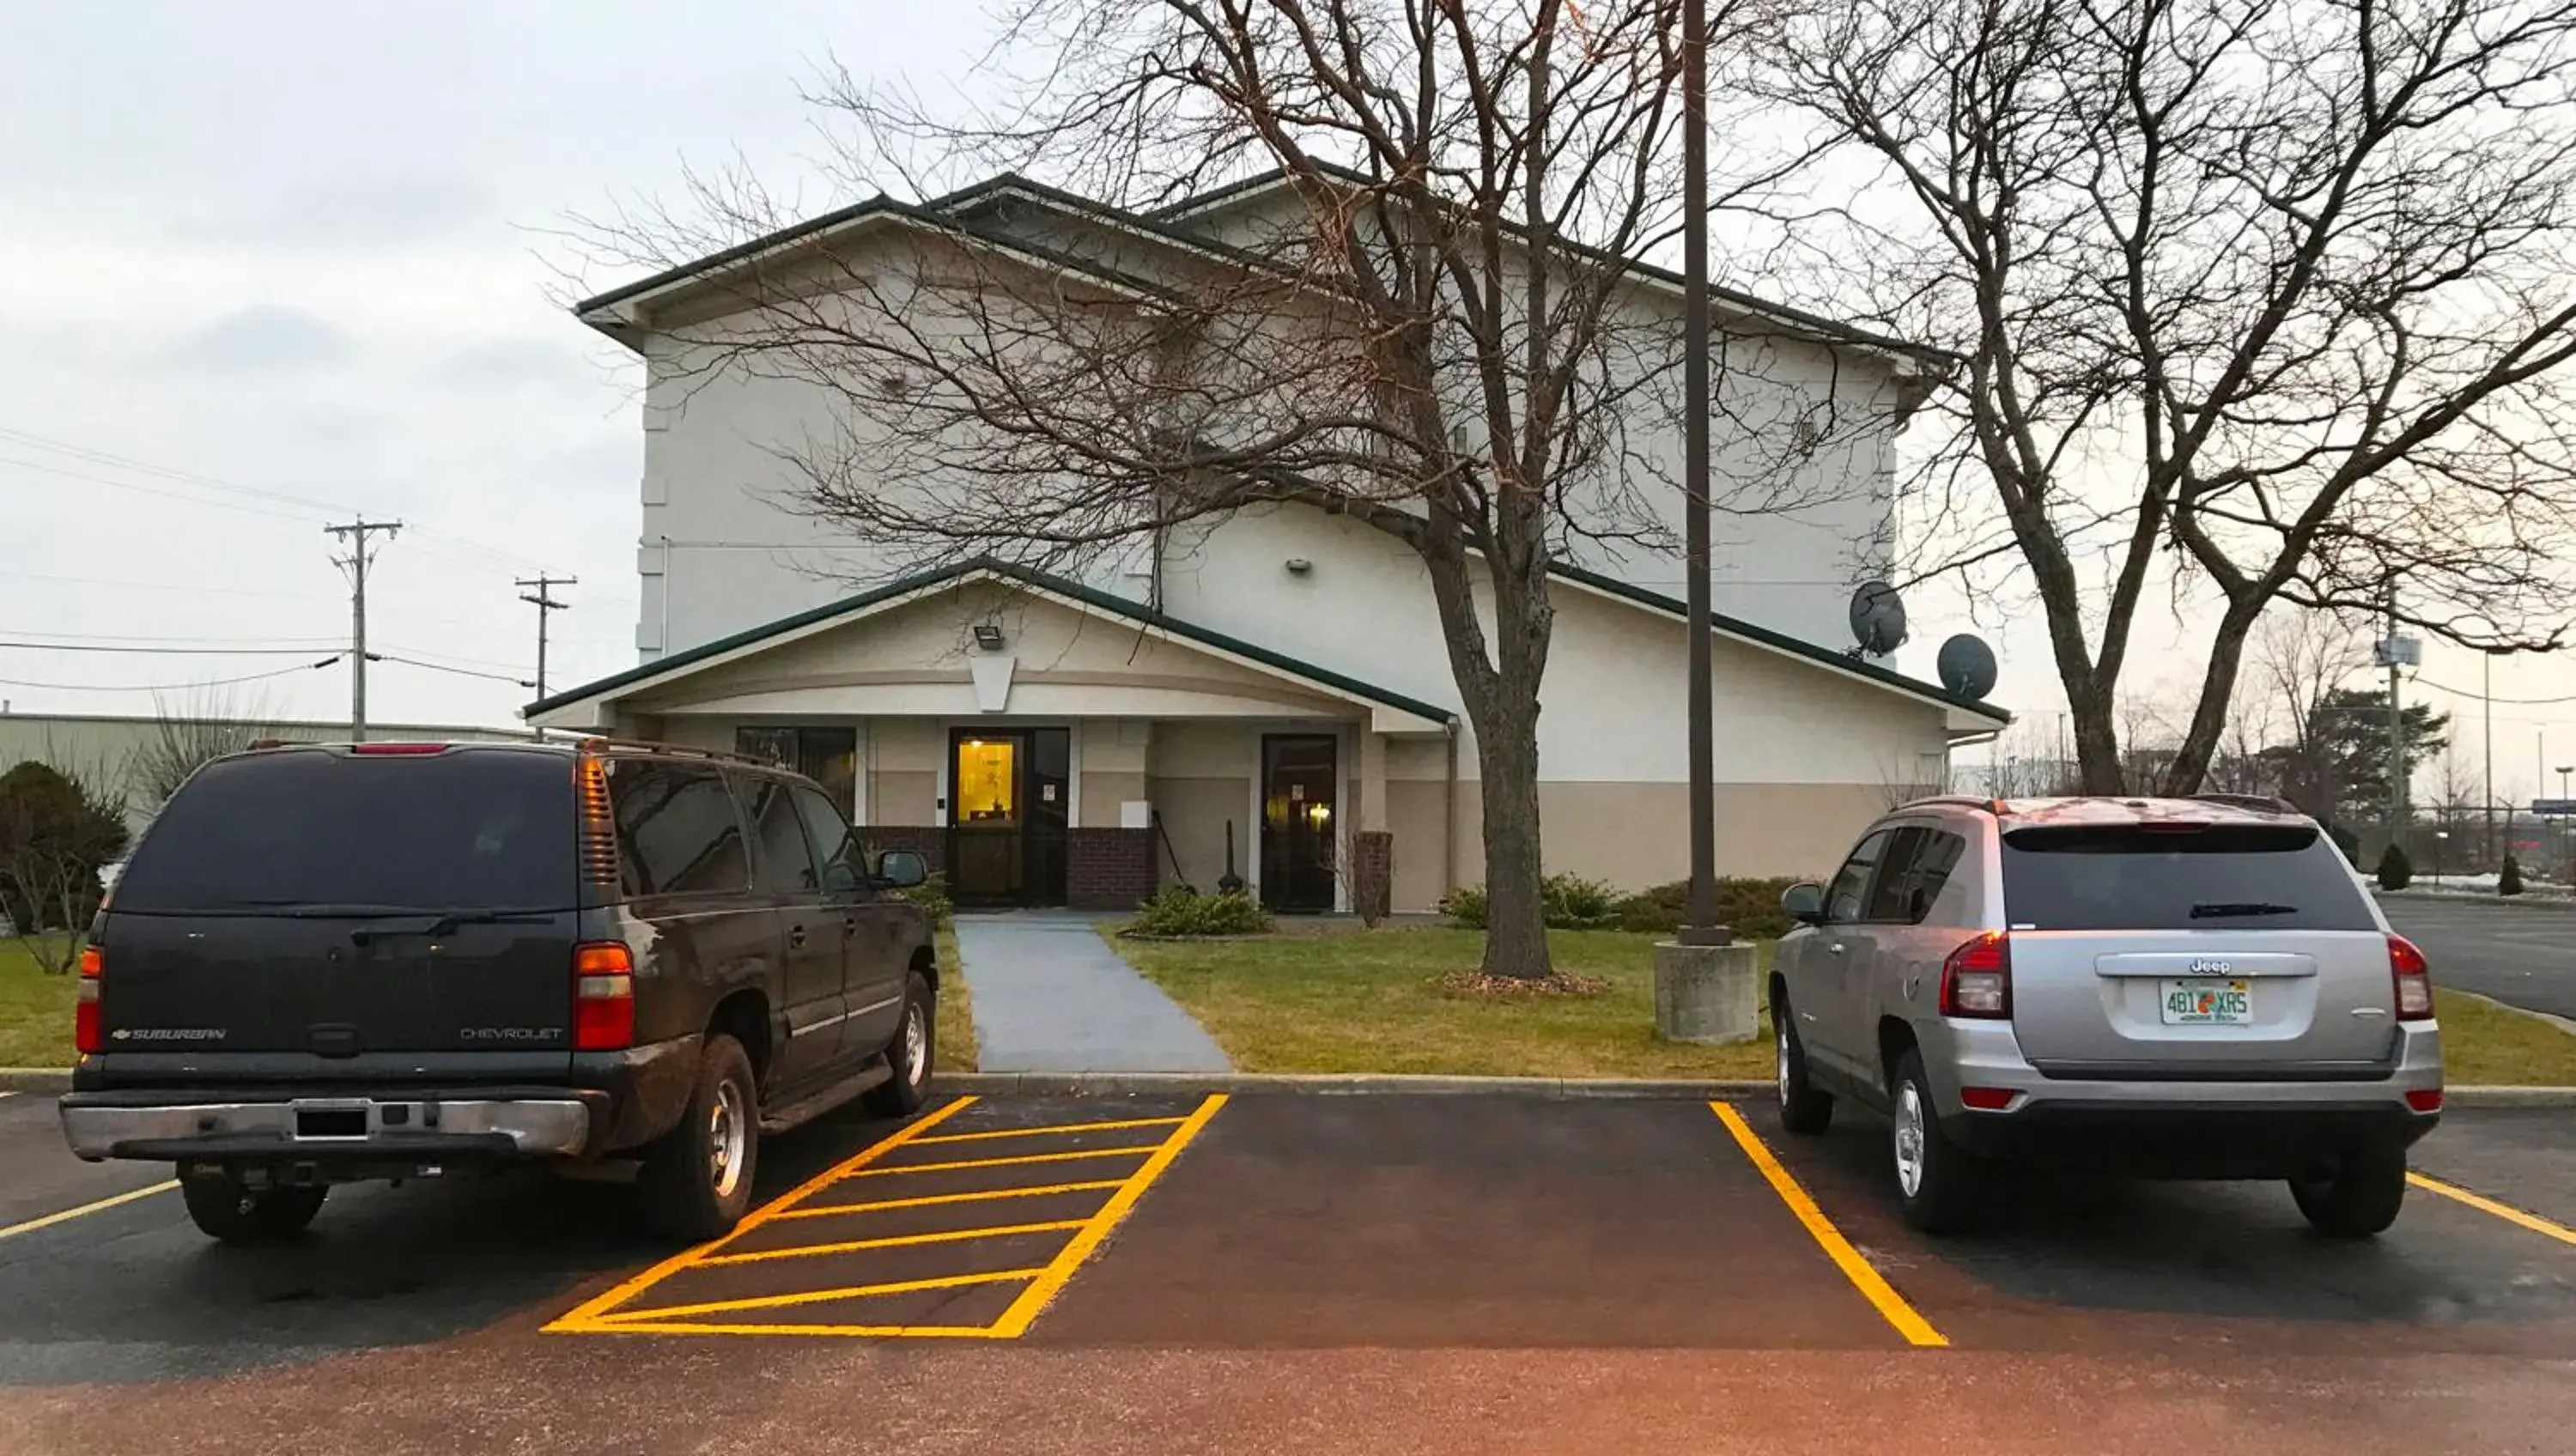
[1108, 869]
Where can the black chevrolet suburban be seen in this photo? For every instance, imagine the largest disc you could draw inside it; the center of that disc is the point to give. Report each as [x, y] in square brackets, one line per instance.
[330, 964]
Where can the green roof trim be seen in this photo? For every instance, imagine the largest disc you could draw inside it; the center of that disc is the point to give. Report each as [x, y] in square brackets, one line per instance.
[1781, 641]
[1027, 576]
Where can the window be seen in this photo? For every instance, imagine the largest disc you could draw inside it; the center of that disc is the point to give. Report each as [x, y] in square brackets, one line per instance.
[677, 830]
[828, 756]
[1930, 873]
[469, 828]
[2157, 877]
[1845, 899]
[1887, 895]
[786, 859]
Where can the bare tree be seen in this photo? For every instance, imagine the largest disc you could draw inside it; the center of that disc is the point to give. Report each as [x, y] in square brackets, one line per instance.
[2264, 299]
[1438, 332]
[2302, 659]
[188, 730]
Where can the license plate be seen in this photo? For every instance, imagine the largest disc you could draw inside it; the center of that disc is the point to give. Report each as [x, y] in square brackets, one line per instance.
[2199, 1002]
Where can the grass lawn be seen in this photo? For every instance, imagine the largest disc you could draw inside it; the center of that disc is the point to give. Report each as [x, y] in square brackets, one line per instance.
[1370, 1002]
[956, 1009]
[35, 1011]
[2484, 1044]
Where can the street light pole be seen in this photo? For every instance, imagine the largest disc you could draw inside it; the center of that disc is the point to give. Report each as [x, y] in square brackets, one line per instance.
[1701, 927]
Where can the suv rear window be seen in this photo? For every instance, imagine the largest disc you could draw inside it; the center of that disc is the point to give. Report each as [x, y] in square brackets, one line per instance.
[2136, 877]
[479, 828]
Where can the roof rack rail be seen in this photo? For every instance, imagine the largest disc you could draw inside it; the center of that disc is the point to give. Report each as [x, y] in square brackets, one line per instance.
[1985, 802]
[606, 743]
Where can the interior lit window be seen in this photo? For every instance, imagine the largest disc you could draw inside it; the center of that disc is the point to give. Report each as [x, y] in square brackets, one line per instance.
[987, 781]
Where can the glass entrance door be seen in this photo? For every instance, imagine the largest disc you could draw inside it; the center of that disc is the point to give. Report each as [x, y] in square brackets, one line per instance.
[1008, 792]
[1297, 829]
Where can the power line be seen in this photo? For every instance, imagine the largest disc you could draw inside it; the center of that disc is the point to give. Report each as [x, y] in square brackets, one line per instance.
[164, 494]
[2420, 681]
[221, 682]
[459, 671]
[305, 651]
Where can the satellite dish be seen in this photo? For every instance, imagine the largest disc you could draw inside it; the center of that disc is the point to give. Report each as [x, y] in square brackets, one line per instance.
[1877, 618]
[1967, 667]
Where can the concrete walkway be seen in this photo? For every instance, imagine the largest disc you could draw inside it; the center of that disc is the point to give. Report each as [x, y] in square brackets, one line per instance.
[1051, 996]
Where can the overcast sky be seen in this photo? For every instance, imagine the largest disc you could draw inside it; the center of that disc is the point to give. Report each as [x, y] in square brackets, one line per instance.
[297, 249]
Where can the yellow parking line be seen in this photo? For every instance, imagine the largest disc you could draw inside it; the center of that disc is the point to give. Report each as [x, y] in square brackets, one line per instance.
[1059, 1129]
[2510, 1214]
[1873, 1287]
[1050, 1281]
[944, 1236]
[1003, 1162]
[978, 1196]
[592, 1312]
[68, 1214]
[625, 1319]
[873, 1332]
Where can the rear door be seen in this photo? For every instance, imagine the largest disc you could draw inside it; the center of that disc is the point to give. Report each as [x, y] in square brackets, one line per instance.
[809, 931]
[321, 911]
[876, 951]
[2207, 950]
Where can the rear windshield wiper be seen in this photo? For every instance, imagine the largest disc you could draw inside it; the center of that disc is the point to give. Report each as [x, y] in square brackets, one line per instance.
[2215, 909]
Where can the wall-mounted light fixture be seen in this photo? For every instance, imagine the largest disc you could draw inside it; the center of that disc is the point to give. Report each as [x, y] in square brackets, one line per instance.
[988, 636]
[1299, 566]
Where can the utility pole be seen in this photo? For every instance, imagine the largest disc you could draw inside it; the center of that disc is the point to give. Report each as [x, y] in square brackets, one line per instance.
[2486, 702]
[2396, 652]
[1700, 926]
[355, 563]
[541, 597]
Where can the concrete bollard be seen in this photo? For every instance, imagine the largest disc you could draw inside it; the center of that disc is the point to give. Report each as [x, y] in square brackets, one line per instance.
[1707, 994]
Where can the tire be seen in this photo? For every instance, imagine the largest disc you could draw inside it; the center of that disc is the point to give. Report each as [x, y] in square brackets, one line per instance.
[696, 1180]
[1937, 1181]
[225, 1210]
[1803, 1109]
[2360, 1199]
[911, 1054]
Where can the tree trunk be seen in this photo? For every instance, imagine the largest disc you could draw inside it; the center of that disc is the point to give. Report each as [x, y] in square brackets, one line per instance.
[1507, 758]
[2097, 741]
[2217, 697]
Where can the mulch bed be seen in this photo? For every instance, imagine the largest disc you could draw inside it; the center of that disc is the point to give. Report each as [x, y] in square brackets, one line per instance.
[1478, 985]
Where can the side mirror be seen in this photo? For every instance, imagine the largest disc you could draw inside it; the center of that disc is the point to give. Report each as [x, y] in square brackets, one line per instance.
[901, 869]
[1804, 902]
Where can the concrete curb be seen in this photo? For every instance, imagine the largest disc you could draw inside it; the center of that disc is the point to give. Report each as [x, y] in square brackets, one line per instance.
[1131, 1084]
[1116, 1084]
[2559, 904]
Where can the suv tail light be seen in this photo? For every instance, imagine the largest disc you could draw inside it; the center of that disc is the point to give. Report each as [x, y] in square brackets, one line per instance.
[603, 997]
[93, 968]
[2414, 980]
[1976, 980]
[598, 818]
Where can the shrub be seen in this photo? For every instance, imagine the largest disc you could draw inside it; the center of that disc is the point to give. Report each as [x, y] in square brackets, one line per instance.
[932, 896]
[1174, 911]
[1750, 906]
[56, 833]
[2509, 878]
[2396, 871]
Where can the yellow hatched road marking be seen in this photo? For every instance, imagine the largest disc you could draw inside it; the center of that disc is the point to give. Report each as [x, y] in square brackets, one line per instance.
[593, 1312]
[944, 1236]
[68, 1214]
[1061, 1129]
[1050, 1281]
[626, 1318]
[1005, 1162]
[2506, 1211]
[829, 1209]
[871, 1332]
[1873, 1287]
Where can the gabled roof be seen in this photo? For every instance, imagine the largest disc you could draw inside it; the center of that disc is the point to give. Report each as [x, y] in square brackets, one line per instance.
[1782, 642]
[1090, 598]
[952, 213]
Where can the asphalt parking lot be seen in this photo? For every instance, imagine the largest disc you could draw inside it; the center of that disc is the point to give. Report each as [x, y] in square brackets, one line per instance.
[2523, 955]
[1269, 1272]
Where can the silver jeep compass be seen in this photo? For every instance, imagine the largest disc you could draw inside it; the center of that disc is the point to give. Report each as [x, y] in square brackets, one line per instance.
[2179, 988]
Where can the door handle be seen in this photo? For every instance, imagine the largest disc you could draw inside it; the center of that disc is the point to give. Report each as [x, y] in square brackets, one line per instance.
[849, 925]
[1836, 948]
[796, 937]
